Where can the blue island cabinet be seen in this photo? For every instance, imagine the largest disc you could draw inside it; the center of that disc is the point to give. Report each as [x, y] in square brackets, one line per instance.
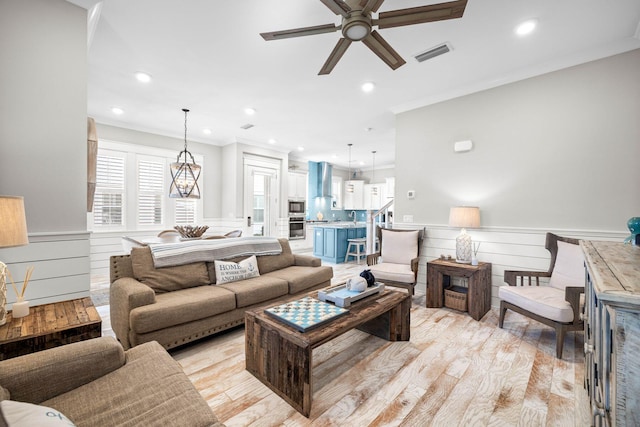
[330, 243]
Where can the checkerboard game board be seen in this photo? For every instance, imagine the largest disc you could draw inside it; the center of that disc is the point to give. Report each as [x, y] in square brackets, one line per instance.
[305, 313]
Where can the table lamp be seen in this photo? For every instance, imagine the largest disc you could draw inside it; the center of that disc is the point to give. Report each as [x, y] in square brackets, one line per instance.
[464, 217]
[13, 232]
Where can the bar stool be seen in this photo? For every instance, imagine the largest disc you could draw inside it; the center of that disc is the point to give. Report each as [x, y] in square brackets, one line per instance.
[356, 245]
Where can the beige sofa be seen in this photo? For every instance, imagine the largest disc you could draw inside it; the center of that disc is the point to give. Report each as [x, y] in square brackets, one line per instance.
[97, 383]
[176, 305]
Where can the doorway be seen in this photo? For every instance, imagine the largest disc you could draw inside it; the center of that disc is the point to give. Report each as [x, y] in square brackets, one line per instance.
[261, 199]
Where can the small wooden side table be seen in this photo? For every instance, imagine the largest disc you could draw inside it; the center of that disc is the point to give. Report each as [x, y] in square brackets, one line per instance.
[49, 325]
[440, 271]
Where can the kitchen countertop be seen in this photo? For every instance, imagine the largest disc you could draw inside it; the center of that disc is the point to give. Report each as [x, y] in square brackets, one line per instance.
[341, 224]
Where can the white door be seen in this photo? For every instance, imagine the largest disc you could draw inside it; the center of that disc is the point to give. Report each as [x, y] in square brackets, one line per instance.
[261, 200]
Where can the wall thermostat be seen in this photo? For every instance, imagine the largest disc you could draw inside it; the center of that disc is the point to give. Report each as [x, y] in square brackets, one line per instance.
[411, 194]
[463, 146]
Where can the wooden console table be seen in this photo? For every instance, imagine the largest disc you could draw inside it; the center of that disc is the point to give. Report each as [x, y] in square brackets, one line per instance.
[439, 273]
[612, 332]
[49, 325]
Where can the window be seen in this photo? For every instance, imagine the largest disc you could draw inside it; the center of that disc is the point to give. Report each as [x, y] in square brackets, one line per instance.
[150, 191]
[108, 205]
[132, 190]
[185, 211]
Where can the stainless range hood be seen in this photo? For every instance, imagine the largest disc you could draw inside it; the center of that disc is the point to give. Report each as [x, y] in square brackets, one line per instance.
[320, 179]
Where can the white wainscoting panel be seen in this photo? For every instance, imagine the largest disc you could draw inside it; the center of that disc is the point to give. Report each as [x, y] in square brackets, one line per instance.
[504, 248]
[61, 267]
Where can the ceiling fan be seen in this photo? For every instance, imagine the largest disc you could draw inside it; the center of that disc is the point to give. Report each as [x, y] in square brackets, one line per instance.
[357, 25]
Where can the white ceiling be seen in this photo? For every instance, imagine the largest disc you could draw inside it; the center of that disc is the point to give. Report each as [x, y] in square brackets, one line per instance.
[208, 56]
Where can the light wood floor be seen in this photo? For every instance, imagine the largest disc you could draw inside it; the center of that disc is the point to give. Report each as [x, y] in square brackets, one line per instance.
[453, 372]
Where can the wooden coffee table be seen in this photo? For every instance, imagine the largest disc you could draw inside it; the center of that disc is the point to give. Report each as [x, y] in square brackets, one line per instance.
[49, 325]
[281, 357]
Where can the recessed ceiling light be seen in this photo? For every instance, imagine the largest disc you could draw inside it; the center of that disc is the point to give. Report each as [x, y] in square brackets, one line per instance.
[249, 111]
[526, 27]
[117, 110]
[143, 77]
[334, 156]
[361, 163]
[272, 141]
[368, 86]
[206, 131]
[300, 148]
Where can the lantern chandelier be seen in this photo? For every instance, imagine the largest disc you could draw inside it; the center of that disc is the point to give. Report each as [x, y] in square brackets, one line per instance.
[184, 175]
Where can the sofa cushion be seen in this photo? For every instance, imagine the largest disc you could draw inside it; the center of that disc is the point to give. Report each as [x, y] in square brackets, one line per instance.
[150, 390]
[268, 263]
[185, 305]
[399, 247]
[256, 290]
[167, 279]
[23, 414]
[395, 272]
[545, 301]
[301, 278]
[569, 267]
[228, 271]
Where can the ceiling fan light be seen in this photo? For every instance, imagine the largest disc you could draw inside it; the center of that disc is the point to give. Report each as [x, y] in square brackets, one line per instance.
[357, 31]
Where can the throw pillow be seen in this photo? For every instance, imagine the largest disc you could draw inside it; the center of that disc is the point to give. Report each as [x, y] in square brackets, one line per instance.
[167, 279]
[227, 271]
[22, 414]
[569, 267]
[399, 247]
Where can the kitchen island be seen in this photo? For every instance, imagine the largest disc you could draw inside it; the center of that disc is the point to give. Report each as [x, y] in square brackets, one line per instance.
[330, 239]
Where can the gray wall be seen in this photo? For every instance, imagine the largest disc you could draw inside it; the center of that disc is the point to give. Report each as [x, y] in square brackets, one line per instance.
[561, 151]
[211, 179]
[43, 111]
[43, 140]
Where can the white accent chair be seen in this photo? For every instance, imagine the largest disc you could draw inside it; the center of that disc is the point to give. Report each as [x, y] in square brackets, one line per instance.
[557, 304]
[396, 264]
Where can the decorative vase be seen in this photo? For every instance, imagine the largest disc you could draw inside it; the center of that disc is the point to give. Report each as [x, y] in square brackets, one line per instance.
[634, 228]
[20, 308]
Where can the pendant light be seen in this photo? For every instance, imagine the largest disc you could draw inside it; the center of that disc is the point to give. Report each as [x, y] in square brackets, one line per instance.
[184, 175]
[374, 188]
[350, 187]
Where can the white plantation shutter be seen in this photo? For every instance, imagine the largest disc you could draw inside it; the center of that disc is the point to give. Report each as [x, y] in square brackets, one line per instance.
[150, 191]
[108, 203]
[185, 211]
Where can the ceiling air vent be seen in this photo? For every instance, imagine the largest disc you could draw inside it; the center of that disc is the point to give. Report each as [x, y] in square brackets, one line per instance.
[432, 53]
[247, 126]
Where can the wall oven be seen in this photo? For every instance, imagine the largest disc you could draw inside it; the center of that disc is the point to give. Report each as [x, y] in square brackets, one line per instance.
[297, 227]
[296, 208]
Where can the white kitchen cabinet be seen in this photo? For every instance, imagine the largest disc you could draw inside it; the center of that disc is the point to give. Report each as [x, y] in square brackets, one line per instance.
[390, 187]
[297, 185]
[374, 196]
[353, 195]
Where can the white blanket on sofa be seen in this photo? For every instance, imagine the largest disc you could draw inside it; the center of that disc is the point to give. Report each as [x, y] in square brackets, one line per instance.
[186, 252]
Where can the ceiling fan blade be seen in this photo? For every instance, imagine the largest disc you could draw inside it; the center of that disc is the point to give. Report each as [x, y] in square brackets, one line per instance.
[339, 7]
[422, 14]
[380, 47]
[336, 54]
[370, 5]
[299, 32]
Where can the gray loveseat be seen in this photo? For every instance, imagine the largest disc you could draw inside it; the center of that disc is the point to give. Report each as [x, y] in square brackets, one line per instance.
[176, 305]
[97, 383]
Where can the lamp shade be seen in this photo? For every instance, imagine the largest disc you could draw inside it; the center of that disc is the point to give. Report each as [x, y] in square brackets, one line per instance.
[464, 217]
[13, 223]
